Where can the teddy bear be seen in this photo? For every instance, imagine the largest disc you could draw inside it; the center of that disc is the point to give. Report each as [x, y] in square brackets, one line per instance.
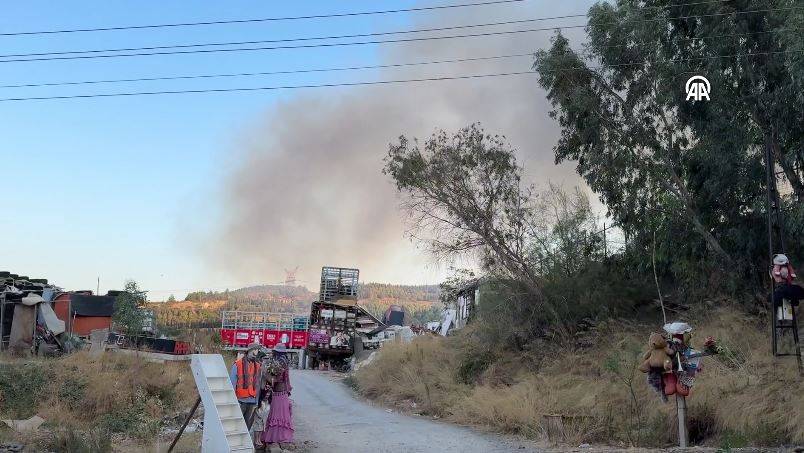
[658, 356]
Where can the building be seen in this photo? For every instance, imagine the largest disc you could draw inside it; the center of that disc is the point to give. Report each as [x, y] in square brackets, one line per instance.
[457, 313]
[83, 312]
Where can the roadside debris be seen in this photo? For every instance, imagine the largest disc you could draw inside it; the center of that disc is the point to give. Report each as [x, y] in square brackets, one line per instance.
[30, 424]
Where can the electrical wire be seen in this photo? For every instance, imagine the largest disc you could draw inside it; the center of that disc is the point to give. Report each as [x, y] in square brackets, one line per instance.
[347, 68]
[264, 19]
[301, 46]
[279, 72]
[350, 84]
[321, 45]
[268, 88]
[308, 17]
[308, 38]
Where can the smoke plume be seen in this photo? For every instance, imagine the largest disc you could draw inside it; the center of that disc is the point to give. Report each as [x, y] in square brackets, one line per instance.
[308, 188]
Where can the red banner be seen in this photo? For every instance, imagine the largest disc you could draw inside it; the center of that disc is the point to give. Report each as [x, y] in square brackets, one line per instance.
[268, 338]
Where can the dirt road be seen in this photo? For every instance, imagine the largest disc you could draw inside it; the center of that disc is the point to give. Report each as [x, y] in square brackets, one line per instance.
[330, 419]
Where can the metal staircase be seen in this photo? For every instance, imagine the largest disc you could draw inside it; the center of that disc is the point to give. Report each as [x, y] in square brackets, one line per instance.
[224, 427]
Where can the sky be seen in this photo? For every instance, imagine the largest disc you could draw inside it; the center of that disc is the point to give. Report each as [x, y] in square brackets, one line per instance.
[222, 190]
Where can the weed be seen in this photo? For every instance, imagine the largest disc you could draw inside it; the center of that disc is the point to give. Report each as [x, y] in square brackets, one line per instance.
[72, 392]
[351, 382]
[473, 365]
[732, 439]
[21, 388]
[92, 441]
[623, 365]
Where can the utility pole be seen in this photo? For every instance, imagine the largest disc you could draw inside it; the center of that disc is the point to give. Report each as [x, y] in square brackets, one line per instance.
[97, 288]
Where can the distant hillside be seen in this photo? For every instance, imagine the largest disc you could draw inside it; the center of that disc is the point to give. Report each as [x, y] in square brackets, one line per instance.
[379, 291]
[420, 301]
[202, 308]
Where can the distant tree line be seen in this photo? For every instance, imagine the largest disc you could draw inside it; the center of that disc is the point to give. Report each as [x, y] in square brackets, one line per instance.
[376, 291]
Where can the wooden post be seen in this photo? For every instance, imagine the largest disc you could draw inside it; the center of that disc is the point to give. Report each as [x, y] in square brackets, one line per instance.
[554, 427]
[184, 425]
[681, 408]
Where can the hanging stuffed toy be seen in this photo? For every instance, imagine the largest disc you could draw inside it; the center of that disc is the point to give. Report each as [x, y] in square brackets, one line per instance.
[658, 356]
[656, 361]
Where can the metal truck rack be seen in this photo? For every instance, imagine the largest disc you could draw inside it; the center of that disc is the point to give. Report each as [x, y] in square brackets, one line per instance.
[241, 328]
[338, 283]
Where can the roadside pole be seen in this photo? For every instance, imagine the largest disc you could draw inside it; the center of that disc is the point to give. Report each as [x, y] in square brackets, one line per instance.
[681, 409]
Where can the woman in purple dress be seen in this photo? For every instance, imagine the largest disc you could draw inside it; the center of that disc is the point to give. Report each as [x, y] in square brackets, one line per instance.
[279, 424]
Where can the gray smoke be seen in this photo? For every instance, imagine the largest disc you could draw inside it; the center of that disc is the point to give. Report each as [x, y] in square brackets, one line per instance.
[308, 189]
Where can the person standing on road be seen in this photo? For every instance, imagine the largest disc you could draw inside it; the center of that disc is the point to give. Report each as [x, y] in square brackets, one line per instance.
[279, 425]
[245, 375]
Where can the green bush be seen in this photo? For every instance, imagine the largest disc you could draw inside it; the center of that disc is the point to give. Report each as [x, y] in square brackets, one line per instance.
[21, 387]
[72, 391]
[473, 365]
[132, 419]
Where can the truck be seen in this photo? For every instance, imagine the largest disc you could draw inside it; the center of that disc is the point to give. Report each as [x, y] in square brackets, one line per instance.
[339, 327]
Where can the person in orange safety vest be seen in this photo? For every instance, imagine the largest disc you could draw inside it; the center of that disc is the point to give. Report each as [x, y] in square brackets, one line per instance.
[245, 375]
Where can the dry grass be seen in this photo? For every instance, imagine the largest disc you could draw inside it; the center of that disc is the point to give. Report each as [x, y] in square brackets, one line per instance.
[420, 372]
[114, 382]
[746, 397]
[80, 394]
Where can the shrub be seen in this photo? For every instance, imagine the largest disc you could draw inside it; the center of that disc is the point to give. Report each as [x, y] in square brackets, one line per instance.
[21, 387]
[92, 441]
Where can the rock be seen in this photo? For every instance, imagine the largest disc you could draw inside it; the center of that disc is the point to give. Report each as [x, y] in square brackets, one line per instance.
[9, 447]
[584, 446]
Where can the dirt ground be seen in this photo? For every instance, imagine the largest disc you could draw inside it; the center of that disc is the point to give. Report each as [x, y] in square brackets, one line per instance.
[329, 418]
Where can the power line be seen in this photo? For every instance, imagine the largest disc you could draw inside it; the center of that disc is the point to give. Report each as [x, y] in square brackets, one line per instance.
[279, 87]
[315, 16]
[301, 46]
[376, 82]
[387, 41]
[264, 19]
[292, 71]
[343, 68]
[309, 38]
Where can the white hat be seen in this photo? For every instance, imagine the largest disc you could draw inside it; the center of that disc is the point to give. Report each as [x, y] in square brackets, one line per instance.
[280, 347]
[675, 328]
[780, 259]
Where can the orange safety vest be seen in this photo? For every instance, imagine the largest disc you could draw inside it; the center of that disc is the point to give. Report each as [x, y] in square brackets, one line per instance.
[247, 379]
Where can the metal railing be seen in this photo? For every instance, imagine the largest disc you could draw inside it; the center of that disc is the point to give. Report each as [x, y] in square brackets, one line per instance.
[264, 321]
